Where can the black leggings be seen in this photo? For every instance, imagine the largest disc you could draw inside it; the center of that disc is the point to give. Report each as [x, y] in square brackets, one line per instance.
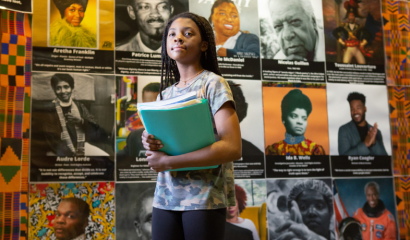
[188, 225]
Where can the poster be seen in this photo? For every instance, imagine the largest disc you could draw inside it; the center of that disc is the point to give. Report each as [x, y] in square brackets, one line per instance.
[17, 5]
[296, 134]
[290, 203]
[134, 210]
[72, 37]
[72, 137]
[71, 210]
[131, 160]
[248, 101]
[139, 26]
[359, 130]
[292, 40]
[366, 204]
[354, 41]
[236, 35]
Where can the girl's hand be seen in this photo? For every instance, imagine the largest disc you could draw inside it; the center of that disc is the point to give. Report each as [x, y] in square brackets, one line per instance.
[150, 143]
[158, 161]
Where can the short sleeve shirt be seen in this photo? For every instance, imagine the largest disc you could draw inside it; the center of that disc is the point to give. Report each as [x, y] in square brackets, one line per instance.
[200, 189]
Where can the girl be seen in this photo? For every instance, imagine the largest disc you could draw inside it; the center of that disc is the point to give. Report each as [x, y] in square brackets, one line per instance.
[192, 204]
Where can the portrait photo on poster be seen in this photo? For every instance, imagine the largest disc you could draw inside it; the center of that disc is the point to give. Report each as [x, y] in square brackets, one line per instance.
[292, 30]
[365, 208]
[70, 211]
[139, 24]
[134, 210]
[243, 221]
[73, 23]
[295, 121]
[235, 26]
[290, 203]
[67, 117]
[358, 120]
[354, 41]
[247, 95]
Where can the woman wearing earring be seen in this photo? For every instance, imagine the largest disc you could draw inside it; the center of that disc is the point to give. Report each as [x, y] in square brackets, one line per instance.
[230, 41]
[233, 216]
[68, 30]
[296, 108]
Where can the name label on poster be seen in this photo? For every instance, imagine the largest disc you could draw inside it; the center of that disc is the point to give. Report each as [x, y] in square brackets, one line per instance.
[73, 51]
[360, 66]
[73, 159]
[297, 158]
[145, 55]
[360, 158]
[231, 59]
[297, 63]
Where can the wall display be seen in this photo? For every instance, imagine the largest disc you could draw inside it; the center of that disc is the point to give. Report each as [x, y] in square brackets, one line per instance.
[398, 103]
[17, 5]
[139, 26]
[296, 134]
[72, 138]
[365, 208]
[131, 160]
[72, 211]
[134, 210]
[248, 98]
[354, 41]
[73, 36]
[236, 35]
[359, 130]
[289, 206]
[292, 40]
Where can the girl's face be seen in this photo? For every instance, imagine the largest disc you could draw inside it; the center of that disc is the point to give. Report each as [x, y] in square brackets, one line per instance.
[184, 42]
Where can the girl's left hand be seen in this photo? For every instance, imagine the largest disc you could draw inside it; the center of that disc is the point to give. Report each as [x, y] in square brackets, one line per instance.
[157, 160]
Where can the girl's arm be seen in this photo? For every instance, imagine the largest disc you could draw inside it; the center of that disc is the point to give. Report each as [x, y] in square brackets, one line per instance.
[227, 149]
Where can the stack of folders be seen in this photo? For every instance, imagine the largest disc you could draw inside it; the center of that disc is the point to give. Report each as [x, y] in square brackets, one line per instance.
[183, 124]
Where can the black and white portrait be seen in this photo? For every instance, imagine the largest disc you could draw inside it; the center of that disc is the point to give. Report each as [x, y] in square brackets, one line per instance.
[300, 209]
[292, 30]
[134, 210]
[141, 23]
[72, 115]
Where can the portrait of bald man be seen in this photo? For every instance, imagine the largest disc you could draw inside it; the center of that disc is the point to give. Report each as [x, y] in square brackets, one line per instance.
[297, 30]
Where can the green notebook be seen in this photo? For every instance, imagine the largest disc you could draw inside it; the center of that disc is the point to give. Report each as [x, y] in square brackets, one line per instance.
[182, 129]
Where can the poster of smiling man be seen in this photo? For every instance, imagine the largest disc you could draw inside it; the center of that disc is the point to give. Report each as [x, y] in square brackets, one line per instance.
[236, 35]
[292, 40]
[296, 135]
[359, 130]
[139, 26]
[354, 41]
[73, 36]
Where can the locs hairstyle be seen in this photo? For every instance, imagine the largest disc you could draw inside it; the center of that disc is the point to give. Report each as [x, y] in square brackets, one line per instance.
[169, 69]
[215, 5]
[60, 77]
[295, 99]
[63, 4]
[356, 96]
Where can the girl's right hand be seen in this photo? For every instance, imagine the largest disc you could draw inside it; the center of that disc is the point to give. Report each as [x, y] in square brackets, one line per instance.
[150, 143]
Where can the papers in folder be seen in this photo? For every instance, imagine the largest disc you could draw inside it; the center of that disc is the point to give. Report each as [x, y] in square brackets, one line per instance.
[183, 124]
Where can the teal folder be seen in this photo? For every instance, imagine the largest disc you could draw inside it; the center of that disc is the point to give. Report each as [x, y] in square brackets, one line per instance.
[181, 130]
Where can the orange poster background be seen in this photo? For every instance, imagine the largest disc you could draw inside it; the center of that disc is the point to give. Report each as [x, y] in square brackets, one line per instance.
[317, 127]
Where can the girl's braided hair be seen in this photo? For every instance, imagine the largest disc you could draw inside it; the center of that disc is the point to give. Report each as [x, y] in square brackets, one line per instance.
[169, 69]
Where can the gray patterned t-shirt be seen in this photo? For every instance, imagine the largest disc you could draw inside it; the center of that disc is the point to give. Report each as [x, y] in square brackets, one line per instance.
[201, 189]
